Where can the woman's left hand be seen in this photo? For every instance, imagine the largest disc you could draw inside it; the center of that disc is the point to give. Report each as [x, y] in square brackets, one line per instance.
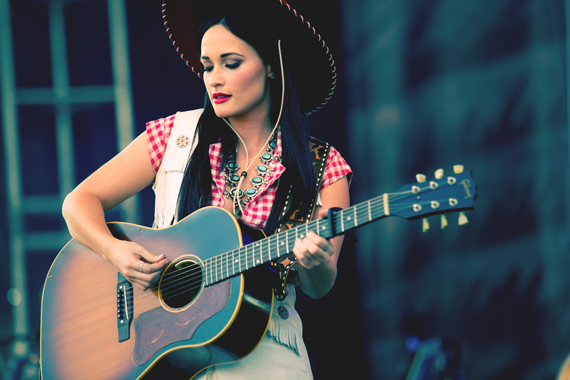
[318, 256]
[313, 250]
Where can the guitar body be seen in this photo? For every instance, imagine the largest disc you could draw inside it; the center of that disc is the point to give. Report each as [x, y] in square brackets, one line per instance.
[215, 324]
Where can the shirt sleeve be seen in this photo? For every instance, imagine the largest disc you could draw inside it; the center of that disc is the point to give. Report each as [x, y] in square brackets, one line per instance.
[336, 168]
[158, 133]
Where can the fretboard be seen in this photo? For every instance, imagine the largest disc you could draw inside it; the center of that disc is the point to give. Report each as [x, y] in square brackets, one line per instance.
[228, 264]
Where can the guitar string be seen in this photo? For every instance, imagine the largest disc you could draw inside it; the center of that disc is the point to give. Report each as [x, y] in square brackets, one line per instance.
[357, 210]
[218, 270]
[193, 282]
[221, 267]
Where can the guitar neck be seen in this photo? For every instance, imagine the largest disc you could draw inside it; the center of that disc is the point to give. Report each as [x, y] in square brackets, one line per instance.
[445, 194]
[234, 262]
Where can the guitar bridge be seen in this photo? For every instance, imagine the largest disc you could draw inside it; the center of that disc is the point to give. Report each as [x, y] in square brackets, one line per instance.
[124, 307]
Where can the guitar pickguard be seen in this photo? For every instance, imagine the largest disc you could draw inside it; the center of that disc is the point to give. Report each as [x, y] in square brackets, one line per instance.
[157, 328]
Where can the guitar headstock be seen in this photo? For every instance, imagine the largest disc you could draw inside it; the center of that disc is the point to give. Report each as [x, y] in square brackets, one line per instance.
[443, 194]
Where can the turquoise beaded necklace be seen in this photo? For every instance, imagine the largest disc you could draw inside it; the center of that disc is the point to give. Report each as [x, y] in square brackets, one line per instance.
[233, 179]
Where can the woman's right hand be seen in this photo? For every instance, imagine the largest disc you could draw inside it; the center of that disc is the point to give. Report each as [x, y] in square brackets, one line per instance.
[140, 267]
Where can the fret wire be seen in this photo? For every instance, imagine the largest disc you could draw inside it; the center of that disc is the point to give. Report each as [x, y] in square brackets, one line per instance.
[248, 266]
[216, 264]
[253, 260]
[219, 268]
[208, 272]
[270, 243]
[260, 253]
[248, 256]
[260, 247]
[238, 261]
[270, 250]
[277, 238]
[355, 217]
[227, 266]
[267, 248]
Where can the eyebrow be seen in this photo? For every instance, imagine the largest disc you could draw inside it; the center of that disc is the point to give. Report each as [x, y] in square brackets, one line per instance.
[223, 55]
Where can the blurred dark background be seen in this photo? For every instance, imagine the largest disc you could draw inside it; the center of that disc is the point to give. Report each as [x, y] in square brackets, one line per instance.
[423, 85]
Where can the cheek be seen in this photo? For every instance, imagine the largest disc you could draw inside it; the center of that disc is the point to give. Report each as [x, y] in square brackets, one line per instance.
[251, 82]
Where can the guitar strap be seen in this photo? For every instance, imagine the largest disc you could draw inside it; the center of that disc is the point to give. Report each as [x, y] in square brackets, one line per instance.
[319, 152]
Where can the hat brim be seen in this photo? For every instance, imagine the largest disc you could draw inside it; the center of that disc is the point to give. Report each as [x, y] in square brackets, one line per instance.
[308, 57]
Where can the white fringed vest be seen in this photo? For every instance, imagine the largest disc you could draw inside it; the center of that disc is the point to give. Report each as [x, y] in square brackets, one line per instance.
[182, 142]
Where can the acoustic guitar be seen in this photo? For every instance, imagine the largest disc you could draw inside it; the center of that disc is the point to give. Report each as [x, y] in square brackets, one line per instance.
[213, 302]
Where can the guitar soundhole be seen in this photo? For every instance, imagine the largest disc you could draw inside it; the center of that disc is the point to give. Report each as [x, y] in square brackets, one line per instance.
[181, 283]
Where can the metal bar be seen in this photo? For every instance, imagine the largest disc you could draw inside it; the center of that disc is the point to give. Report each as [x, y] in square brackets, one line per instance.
[14, 188]
[121, 77]
[567, 8]
[48, 241]
[75, 95]
[60, 76]
[41, 204]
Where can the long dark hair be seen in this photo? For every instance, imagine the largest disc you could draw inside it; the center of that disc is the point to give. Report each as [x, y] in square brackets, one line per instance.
[299, 177]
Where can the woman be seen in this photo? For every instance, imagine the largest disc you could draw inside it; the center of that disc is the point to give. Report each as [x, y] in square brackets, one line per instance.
[250, 155]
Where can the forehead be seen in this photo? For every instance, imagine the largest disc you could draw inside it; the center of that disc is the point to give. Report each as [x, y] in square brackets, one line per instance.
[218, 40]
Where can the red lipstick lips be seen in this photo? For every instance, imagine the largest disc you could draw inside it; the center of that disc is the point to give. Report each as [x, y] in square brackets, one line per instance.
[220, 97]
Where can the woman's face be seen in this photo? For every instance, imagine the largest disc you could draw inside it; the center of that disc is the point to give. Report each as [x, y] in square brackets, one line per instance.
[235, 76]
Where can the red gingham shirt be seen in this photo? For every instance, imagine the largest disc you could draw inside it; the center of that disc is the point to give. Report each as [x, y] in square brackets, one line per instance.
[258, 209]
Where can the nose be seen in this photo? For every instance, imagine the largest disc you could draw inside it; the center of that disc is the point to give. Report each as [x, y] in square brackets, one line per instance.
[215, 78]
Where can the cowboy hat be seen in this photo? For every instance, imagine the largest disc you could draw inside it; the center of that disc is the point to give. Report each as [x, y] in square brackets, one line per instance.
[306, 54]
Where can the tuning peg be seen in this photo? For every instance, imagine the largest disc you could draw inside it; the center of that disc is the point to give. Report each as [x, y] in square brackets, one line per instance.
[458, 169]
[439, 174]
[425, 225]
[443, 222]
[420, 178]
[463, 219]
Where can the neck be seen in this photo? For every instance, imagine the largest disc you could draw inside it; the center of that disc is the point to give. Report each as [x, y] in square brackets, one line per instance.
[254, 133]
